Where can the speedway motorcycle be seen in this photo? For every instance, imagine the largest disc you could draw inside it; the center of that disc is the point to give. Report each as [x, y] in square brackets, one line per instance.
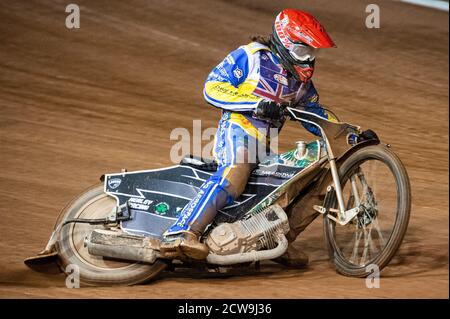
[112, 231]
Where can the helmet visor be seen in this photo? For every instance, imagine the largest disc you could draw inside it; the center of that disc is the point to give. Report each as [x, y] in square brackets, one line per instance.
[302, 52]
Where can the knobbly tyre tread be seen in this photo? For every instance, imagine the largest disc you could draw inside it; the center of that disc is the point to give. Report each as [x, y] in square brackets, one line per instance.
[90, 276]
[384, 154]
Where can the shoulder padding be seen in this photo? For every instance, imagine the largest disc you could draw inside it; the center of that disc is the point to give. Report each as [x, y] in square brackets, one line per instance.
[254, 47]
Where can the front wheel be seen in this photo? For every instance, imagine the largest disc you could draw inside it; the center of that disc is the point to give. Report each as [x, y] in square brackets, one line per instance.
[96, 270]
[375, 180]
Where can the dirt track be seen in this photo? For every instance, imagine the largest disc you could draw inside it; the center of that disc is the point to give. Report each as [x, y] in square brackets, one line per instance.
[75, 104]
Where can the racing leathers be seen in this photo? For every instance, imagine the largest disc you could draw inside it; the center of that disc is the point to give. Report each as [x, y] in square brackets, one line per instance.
[246, 76]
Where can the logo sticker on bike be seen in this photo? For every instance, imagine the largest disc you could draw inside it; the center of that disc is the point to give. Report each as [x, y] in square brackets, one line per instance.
[114, 183]
[162, 208]
[178, 211]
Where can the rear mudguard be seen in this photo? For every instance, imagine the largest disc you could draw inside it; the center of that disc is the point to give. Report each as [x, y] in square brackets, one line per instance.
[46, 261]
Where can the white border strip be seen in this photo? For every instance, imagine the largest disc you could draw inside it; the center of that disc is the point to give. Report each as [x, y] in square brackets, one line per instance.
[435, 4]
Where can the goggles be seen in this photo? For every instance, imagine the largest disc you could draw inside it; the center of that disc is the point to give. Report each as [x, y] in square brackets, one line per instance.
[302, 52]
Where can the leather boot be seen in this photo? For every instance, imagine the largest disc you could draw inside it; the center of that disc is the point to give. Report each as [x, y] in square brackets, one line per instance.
[185, 244]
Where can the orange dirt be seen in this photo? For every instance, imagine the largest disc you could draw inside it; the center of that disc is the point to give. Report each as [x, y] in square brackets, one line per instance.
[75, 104]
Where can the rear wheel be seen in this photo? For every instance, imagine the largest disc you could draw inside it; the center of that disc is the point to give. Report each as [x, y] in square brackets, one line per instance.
[375, 180]
[96, 270]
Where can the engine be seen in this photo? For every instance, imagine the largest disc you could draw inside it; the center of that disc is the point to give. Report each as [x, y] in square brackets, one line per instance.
[256, 232]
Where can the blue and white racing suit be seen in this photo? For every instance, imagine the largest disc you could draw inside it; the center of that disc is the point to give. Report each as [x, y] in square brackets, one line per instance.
[245, 77]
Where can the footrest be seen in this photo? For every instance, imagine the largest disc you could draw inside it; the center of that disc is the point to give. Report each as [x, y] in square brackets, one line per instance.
[330, 198]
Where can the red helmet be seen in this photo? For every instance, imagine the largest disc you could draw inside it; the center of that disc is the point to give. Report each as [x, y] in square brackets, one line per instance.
[296, 37]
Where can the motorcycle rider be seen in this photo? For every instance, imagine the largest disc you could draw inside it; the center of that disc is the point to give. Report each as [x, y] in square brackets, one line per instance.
[251, 86]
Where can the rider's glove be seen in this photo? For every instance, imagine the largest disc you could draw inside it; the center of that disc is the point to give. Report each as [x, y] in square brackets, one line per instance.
[268, 110]
[367, 135]
[353, 139]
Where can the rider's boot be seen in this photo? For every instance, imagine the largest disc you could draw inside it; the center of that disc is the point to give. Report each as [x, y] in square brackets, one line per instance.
[182, 239]
[185, 243]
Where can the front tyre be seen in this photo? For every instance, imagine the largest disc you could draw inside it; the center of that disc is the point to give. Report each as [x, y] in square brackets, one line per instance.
[374, 179]
[95, 270]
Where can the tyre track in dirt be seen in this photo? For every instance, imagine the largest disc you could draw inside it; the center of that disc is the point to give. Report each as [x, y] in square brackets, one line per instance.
[75, 104]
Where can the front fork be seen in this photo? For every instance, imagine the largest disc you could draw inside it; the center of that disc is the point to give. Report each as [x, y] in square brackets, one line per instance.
[343, 215]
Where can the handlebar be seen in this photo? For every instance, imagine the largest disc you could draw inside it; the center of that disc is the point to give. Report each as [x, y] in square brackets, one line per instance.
[297, 114]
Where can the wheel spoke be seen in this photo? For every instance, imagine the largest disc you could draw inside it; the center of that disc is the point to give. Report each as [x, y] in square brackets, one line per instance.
[358, 235]
[372, 245]
[365, 187]
[367, 244]
[350, 201]
[380, 233]
[355, 192]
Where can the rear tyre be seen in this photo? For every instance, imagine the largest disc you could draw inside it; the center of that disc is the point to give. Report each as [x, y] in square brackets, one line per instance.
[95, 270]
[373, 237]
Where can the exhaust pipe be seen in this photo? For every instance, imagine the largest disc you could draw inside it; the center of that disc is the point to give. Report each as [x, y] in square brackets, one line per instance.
[251, 255]
[112, 244]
